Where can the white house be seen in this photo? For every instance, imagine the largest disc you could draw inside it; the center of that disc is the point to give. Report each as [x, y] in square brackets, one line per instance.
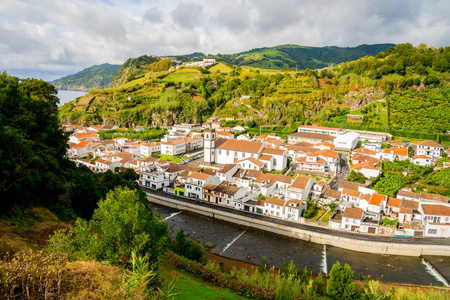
[225, 135]
[148, 149]
[368, 169]
[186, 128]
[293, 210]
[80, 149]
[351, 219]
[183, 145]
[102, 165]
[348, 141]
[436, 220]
[155, 180]
[274, 207]
[195, 182]
[227, 172]
[224, 194]
[279, 158]
[243, 137]
[311, 163]
[79, 137]
[296, 151]
[395, 154]
[238, 128]
[300, 188]
[330, 157]
[430, 148]
[422, 160]
[375, 147]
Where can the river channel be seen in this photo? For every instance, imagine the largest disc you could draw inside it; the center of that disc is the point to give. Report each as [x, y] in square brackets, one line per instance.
[251, 245]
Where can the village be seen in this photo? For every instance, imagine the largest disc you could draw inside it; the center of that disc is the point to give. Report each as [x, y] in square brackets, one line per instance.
[300, 179]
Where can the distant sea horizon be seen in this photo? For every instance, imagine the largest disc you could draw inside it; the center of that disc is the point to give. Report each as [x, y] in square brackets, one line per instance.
[67, 96]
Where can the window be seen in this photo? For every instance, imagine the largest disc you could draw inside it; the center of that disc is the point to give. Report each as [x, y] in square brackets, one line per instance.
[228, 153]
[432, 231]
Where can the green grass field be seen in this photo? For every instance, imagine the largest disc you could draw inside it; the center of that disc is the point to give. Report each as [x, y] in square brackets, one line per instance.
[171, 158]
[190, 288]
[220, 67]
[182, 75]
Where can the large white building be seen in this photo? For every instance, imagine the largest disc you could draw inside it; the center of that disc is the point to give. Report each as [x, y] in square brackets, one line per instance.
[325, 130]
[348, 141]
[232, 151]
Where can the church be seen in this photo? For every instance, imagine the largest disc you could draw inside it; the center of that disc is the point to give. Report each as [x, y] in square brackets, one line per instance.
[250, 155]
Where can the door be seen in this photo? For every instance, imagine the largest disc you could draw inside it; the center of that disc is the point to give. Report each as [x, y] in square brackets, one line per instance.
[372, 230]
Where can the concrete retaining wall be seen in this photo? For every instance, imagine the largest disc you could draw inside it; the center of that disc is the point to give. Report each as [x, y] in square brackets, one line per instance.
[314, 237]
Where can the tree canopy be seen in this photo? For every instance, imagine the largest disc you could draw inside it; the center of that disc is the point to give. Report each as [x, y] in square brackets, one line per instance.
[33, 166]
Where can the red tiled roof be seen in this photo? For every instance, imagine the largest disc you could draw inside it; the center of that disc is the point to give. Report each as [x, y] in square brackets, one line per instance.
[397, 151]
[224, 133]
[241, 145]
[300, 182]
[328, 153]
[352, 193]
[364, 151]
[430, 144]
[273, 151]
[326, 144]
[200, 176]
[265, 157]
[350, 185]
[377, 198]
[436, 210]
[421, 157]
[353, 213]
[393, 202]
[275, 201]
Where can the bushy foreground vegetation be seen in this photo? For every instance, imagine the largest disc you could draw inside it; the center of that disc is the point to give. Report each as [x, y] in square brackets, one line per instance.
[124, 232]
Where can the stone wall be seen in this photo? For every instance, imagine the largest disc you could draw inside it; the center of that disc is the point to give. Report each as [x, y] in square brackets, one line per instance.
[314, 237]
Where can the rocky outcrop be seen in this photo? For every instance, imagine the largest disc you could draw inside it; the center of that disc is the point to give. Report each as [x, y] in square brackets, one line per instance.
[360, 98]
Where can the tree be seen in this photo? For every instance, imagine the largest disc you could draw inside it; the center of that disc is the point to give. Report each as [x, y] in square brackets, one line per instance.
[161, 65]
[32, 145]
[341, 285]
[180, 243]
[125, 224]
[356, 177]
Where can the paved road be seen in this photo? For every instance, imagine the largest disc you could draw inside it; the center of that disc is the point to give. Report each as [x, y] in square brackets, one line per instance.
[308, 227]
[334, 183]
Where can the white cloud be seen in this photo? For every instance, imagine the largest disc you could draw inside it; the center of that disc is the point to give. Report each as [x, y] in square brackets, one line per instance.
[66, 36]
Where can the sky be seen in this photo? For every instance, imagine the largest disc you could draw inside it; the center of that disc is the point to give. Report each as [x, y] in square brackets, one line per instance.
[49, 39]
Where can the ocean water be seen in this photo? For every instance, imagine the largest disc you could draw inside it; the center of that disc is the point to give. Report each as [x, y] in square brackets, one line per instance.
[67, 96]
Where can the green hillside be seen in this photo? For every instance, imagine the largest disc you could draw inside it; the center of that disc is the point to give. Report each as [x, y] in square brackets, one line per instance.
[300, 57]
[402, 89]
[95, 77]
[133, 68]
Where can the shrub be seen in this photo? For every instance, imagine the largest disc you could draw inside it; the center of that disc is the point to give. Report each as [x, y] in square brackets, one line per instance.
[31, 274]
